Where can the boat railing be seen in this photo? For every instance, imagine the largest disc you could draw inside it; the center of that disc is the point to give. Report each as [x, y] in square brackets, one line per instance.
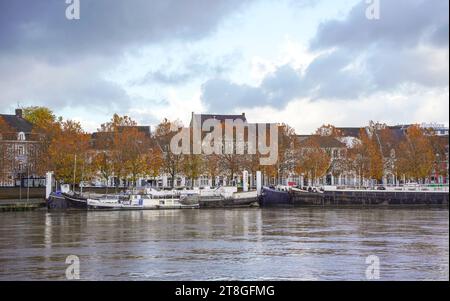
[392, 187]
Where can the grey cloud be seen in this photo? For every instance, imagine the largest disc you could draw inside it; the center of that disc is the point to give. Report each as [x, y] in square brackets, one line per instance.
[197, 65]
[43, 55]
[106, 26]
[389, 50]
[77, 84]
[276, 89]
[286, 83]
[221, 95]
[357, 58]
[402, 23]
[300, 4]
[282, 85]
[332, 76]
[439, 37]
[390, 68]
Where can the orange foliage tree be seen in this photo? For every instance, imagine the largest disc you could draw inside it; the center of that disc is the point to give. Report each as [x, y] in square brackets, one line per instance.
[154, 161]
[416, 157]
[4, 162]
[124, 149]
[312, 160]
[372, 147]
[45, 126]
[366, 157]
[69, 149]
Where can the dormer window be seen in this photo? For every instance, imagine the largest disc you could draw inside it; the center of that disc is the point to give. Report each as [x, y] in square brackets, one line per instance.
[21, 136]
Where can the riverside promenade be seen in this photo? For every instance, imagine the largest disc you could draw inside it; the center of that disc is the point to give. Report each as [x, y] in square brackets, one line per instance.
[15, 199]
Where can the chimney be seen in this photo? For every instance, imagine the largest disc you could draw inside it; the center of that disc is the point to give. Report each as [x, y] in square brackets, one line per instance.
[19, 113]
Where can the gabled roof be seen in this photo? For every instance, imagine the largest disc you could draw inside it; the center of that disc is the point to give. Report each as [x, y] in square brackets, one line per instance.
[322, 141]
[301, 138]
[140, 128]
[17, 123]
[219, 117]
[108, 136]
[350, 131]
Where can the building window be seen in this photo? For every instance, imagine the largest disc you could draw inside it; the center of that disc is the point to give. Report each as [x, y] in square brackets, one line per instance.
[20, 150]
[335, 153]
[21, 136]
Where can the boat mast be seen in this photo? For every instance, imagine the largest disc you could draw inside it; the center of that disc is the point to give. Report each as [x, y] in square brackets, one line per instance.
[82, 177]
[74, 170]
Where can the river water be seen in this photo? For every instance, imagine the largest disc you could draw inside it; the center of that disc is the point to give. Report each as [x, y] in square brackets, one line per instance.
[238, 244]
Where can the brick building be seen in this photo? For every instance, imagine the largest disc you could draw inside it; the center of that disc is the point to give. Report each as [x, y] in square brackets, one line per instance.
[19, 151]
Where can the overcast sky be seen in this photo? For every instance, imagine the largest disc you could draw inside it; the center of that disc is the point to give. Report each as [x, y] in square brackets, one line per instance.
[303, 62]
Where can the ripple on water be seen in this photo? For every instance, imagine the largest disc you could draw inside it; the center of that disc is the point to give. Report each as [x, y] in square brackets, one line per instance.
[247, 244]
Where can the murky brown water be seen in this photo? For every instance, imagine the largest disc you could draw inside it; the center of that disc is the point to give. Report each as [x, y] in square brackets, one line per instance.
[244, 244]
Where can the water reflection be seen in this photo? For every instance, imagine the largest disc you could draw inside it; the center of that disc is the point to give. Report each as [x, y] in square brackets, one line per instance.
[247, 244]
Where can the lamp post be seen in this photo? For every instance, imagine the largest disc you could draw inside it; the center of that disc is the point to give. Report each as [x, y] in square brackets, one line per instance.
[436, 170]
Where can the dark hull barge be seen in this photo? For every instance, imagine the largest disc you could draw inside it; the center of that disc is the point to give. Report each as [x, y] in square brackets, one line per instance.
[295, 197]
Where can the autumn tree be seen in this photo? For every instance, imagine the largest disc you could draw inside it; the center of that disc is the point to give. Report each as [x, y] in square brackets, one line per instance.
[192, 166]
[212, 166]
[251, 163]
[106, 162]
[171, 163]
[372, 147]
[359, 160]
[134, 145]
[339, 162]
[47, 127]
[230, 162]
[102, 163]
[68, 153]
[124, 149]
[154, 161]
[389, 143]
[366, 157]
[5, 129]
[416, 157]
[312, 160]
[40, 117]
[286, 156]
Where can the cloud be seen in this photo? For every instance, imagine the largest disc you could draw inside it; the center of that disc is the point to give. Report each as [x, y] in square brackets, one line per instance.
[407, 45]
[402, 107]
[402, 24]
[221, 95]
[355, 58]
[48, 60]
[194, 66]
[106, 26]
[31, 82]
